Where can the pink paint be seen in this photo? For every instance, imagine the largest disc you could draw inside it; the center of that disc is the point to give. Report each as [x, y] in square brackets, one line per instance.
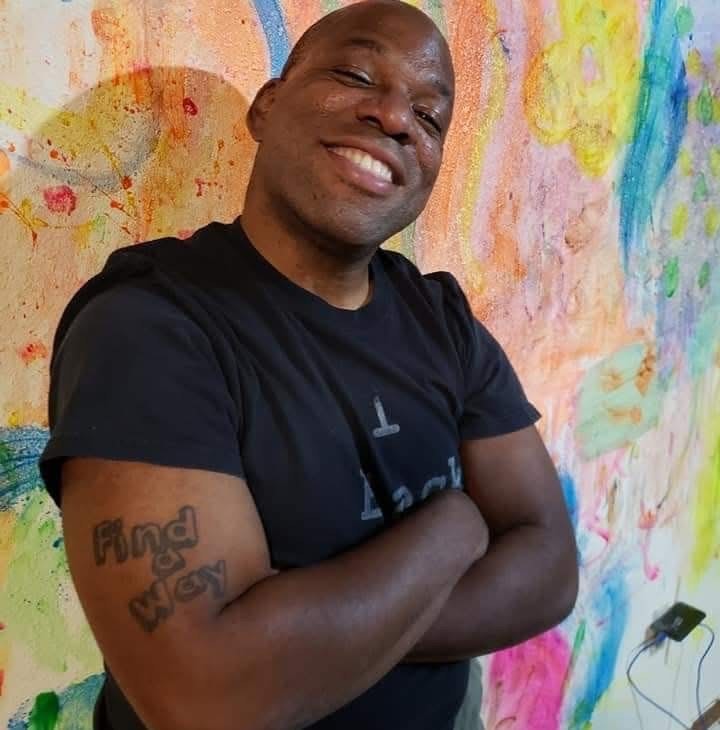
[60, 199]
[590, 69]
[526, 682]
[189, 106]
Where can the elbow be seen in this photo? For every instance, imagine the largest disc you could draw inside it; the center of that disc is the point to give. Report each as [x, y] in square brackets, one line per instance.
[566, 584]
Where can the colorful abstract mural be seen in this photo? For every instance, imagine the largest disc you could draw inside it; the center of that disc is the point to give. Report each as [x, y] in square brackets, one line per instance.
[579, 205]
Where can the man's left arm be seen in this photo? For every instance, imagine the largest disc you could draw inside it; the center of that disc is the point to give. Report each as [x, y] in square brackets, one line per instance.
[528, 580]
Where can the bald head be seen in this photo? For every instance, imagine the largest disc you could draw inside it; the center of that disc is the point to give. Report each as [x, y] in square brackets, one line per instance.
[350, 137]
[367, 13]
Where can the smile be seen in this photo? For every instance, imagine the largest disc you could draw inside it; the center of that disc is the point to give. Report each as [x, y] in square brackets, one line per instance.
[365, 162]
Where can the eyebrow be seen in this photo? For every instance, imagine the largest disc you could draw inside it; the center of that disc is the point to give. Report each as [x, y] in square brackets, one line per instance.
[377, 47]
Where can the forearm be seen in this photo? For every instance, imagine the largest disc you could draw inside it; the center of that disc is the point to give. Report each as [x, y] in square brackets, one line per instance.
[524, 585]
[300, 644]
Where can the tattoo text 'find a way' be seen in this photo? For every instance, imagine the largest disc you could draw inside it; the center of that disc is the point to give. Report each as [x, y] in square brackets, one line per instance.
[164, 544]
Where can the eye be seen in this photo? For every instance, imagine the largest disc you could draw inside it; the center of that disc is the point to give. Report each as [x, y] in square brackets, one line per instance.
[354, 74]
[429, 119]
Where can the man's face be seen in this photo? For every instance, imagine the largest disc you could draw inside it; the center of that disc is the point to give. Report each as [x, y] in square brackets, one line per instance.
[351, 140]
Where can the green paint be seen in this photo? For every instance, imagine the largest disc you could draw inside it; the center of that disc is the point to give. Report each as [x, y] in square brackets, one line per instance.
[704, 106]
[578, 642]
[701, 191]
[33, 600]
[620, 399]
[408, 242]
[437, 13]
[684, 20]
[329, 5]
[707, 507]
[671, 277]
[704, 275]
[44, 713]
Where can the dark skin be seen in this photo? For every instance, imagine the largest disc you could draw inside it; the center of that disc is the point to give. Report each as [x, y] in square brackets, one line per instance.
[381, 80]
[397, 96]
[175, 594]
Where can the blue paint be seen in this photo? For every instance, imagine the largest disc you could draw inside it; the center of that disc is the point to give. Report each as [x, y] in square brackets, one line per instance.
[571, 498]
[76, 706]
[271, 18]
[661, 119]
[20, 449]
[607, 617]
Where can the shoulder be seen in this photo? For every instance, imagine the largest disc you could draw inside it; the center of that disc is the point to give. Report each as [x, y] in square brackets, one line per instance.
[440, 290]
[141, 287]
[127, 322]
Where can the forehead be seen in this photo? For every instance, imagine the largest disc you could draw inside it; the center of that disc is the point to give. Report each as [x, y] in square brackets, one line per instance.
[404, 38]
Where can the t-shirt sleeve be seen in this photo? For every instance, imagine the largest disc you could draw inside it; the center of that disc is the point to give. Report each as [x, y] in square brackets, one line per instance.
[135, 379]
[493, 399]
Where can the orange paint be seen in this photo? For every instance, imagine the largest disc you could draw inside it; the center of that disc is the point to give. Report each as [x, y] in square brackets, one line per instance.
[646, 372]
[4, 163]
[33, 351]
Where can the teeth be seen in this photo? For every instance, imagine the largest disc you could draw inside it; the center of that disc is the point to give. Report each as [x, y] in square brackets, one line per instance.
[366, 161]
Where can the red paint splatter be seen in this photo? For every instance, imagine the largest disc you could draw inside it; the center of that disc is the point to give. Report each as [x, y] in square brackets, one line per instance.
[2, 625]
[60, 199]
[189, 106]
[126, 182]
[33, 351]
[2, 679]
[185, 233]
[116, 204]
[54, 154]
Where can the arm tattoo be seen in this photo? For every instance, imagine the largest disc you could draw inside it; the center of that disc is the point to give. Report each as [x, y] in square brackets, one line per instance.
[164, 543]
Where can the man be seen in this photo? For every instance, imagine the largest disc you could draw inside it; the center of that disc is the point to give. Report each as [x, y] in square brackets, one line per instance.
[301, 485]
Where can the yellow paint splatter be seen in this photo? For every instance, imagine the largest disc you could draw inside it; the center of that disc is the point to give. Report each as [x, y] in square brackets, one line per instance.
[712, 221]
[679, 223]
[13, 420]
[583, 88]
[694, 64]
[685, 162]
[707, 507]
[7, 524]
[715, 161]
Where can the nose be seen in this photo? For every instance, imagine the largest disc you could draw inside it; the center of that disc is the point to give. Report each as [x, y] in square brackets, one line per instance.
[391, 112]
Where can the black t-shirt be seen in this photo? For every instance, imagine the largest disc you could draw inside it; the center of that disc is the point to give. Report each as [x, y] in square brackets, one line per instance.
[200, 354]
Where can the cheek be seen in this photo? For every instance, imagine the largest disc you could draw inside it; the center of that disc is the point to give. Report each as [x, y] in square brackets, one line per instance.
[429, 155]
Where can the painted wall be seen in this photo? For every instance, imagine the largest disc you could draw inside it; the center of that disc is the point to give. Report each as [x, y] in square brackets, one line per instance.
[579, 205]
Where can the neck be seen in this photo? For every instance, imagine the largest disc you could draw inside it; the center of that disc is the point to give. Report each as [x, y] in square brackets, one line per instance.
[329, 269]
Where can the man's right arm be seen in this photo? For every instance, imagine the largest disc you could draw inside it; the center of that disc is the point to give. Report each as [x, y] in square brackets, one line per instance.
[173, 571]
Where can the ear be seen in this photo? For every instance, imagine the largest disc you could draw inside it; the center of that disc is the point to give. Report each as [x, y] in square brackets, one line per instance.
[260, 108]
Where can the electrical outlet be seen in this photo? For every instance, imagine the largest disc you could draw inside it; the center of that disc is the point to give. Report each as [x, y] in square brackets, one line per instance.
[678, 621]
[709, 719]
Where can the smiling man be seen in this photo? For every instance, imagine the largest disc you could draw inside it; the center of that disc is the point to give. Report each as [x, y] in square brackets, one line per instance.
[300, 482]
